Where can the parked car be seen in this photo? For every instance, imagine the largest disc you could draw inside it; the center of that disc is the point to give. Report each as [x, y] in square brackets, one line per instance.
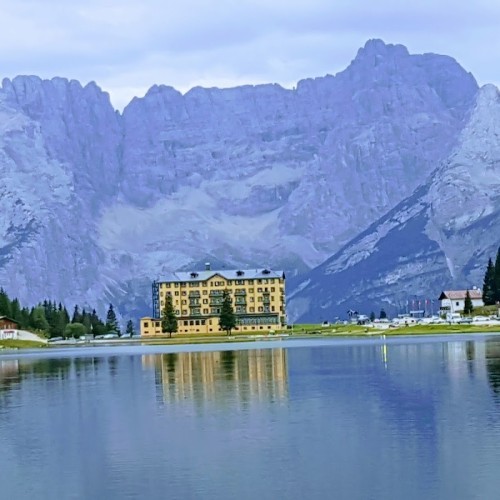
[111, 336]
[478, 319]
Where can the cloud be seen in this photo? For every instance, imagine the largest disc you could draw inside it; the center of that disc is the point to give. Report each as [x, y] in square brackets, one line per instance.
[128, 46]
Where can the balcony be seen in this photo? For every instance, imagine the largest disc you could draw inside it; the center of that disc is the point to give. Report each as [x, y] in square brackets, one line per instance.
[240, 292]
[216, 293]
[194, 294]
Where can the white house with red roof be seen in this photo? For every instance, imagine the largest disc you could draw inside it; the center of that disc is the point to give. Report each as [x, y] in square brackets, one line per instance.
[453, 301]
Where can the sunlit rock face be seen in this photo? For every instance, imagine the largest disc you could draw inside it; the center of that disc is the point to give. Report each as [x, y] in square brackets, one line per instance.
[439, 238]
[95, 204]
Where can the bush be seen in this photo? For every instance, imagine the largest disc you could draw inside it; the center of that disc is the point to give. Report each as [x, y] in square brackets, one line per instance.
[75, 330]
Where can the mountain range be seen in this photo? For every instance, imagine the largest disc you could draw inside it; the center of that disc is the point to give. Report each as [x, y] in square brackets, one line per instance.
[95, 204]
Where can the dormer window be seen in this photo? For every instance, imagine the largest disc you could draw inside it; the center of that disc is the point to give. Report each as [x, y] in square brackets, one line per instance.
[266, 271]
[194, 275]
[240, 273]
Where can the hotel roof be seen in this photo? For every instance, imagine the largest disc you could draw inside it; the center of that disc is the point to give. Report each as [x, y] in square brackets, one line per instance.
[229, 274]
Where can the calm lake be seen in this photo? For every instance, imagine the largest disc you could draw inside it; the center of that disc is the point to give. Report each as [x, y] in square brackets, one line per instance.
[367, 419]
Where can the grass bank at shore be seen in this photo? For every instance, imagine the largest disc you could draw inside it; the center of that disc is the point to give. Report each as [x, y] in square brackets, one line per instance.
[21, 344]
[319, 331]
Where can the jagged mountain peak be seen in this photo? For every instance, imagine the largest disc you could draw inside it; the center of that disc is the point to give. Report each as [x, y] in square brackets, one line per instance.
[376, 47]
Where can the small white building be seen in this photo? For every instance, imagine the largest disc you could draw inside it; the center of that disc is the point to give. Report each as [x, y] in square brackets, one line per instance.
[9, 335]
[453, 301]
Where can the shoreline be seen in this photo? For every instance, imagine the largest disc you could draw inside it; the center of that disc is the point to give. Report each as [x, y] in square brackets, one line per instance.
[235, 343]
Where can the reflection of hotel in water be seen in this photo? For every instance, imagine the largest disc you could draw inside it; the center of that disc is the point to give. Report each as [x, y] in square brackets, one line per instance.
[254, 375]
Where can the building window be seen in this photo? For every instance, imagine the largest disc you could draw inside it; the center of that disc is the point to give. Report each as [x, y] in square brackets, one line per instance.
[176, 285]
[184, 312]
[205, 311]
[456, 303]
[184, 302]
[177, 294]
[271, 281]
[177, 312]
[251, 290]
[186, 322]
[252, 309]
[261, 308]
[273, 289]
[161, 294]
[146, 324]
[205, 301]
[184, 293]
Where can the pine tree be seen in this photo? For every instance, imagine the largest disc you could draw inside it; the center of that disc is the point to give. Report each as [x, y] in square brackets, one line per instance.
[98, 327]
[61, 322]
[5, 309]
[86, 321]
[77, 317]
[130, 331]
[168, 317]
[383, 314]
[496, 279]
[489, 284]
[38, 319]
[227, 319]
[468, 307]
[372, 316]
[111, 321]
[15, 310]
[25, 318]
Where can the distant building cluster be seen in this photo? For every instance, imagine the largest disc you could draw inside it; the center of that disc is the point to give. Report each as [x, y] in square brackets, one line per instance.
[257, 295]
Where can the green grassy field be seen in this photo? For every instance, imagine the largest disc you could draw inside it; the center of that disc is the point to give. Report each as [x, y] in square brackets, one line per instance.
[20, 344]
[403, 330]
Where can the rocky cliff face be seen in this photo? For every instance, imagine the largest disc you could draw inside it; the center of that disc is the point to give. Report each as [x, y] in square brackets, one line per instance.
[95, 204]
[440, 237]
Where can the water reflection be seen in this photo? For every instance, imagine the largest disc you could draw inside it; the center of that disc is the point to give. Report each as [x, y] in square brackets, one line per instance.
[396, 419]
[244, 376]
[493, 366]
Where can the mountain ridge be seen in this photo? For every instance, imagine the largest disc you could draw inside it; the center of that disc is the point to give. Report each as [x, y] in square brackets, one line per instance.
[252, 174]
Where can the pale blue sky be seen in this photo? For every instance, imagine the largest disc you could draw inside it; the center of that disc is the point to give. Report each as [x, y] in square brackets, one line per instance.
[127, 46]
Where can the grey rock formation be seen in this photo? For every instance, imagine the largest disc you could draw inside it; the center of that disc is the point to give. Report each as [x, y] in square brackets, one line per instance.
[439, 238]
[95, 204]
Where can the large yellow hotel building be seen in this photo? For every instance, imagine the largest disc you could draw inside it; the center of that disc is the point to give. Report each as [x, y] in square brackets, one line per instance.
[258, 298]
